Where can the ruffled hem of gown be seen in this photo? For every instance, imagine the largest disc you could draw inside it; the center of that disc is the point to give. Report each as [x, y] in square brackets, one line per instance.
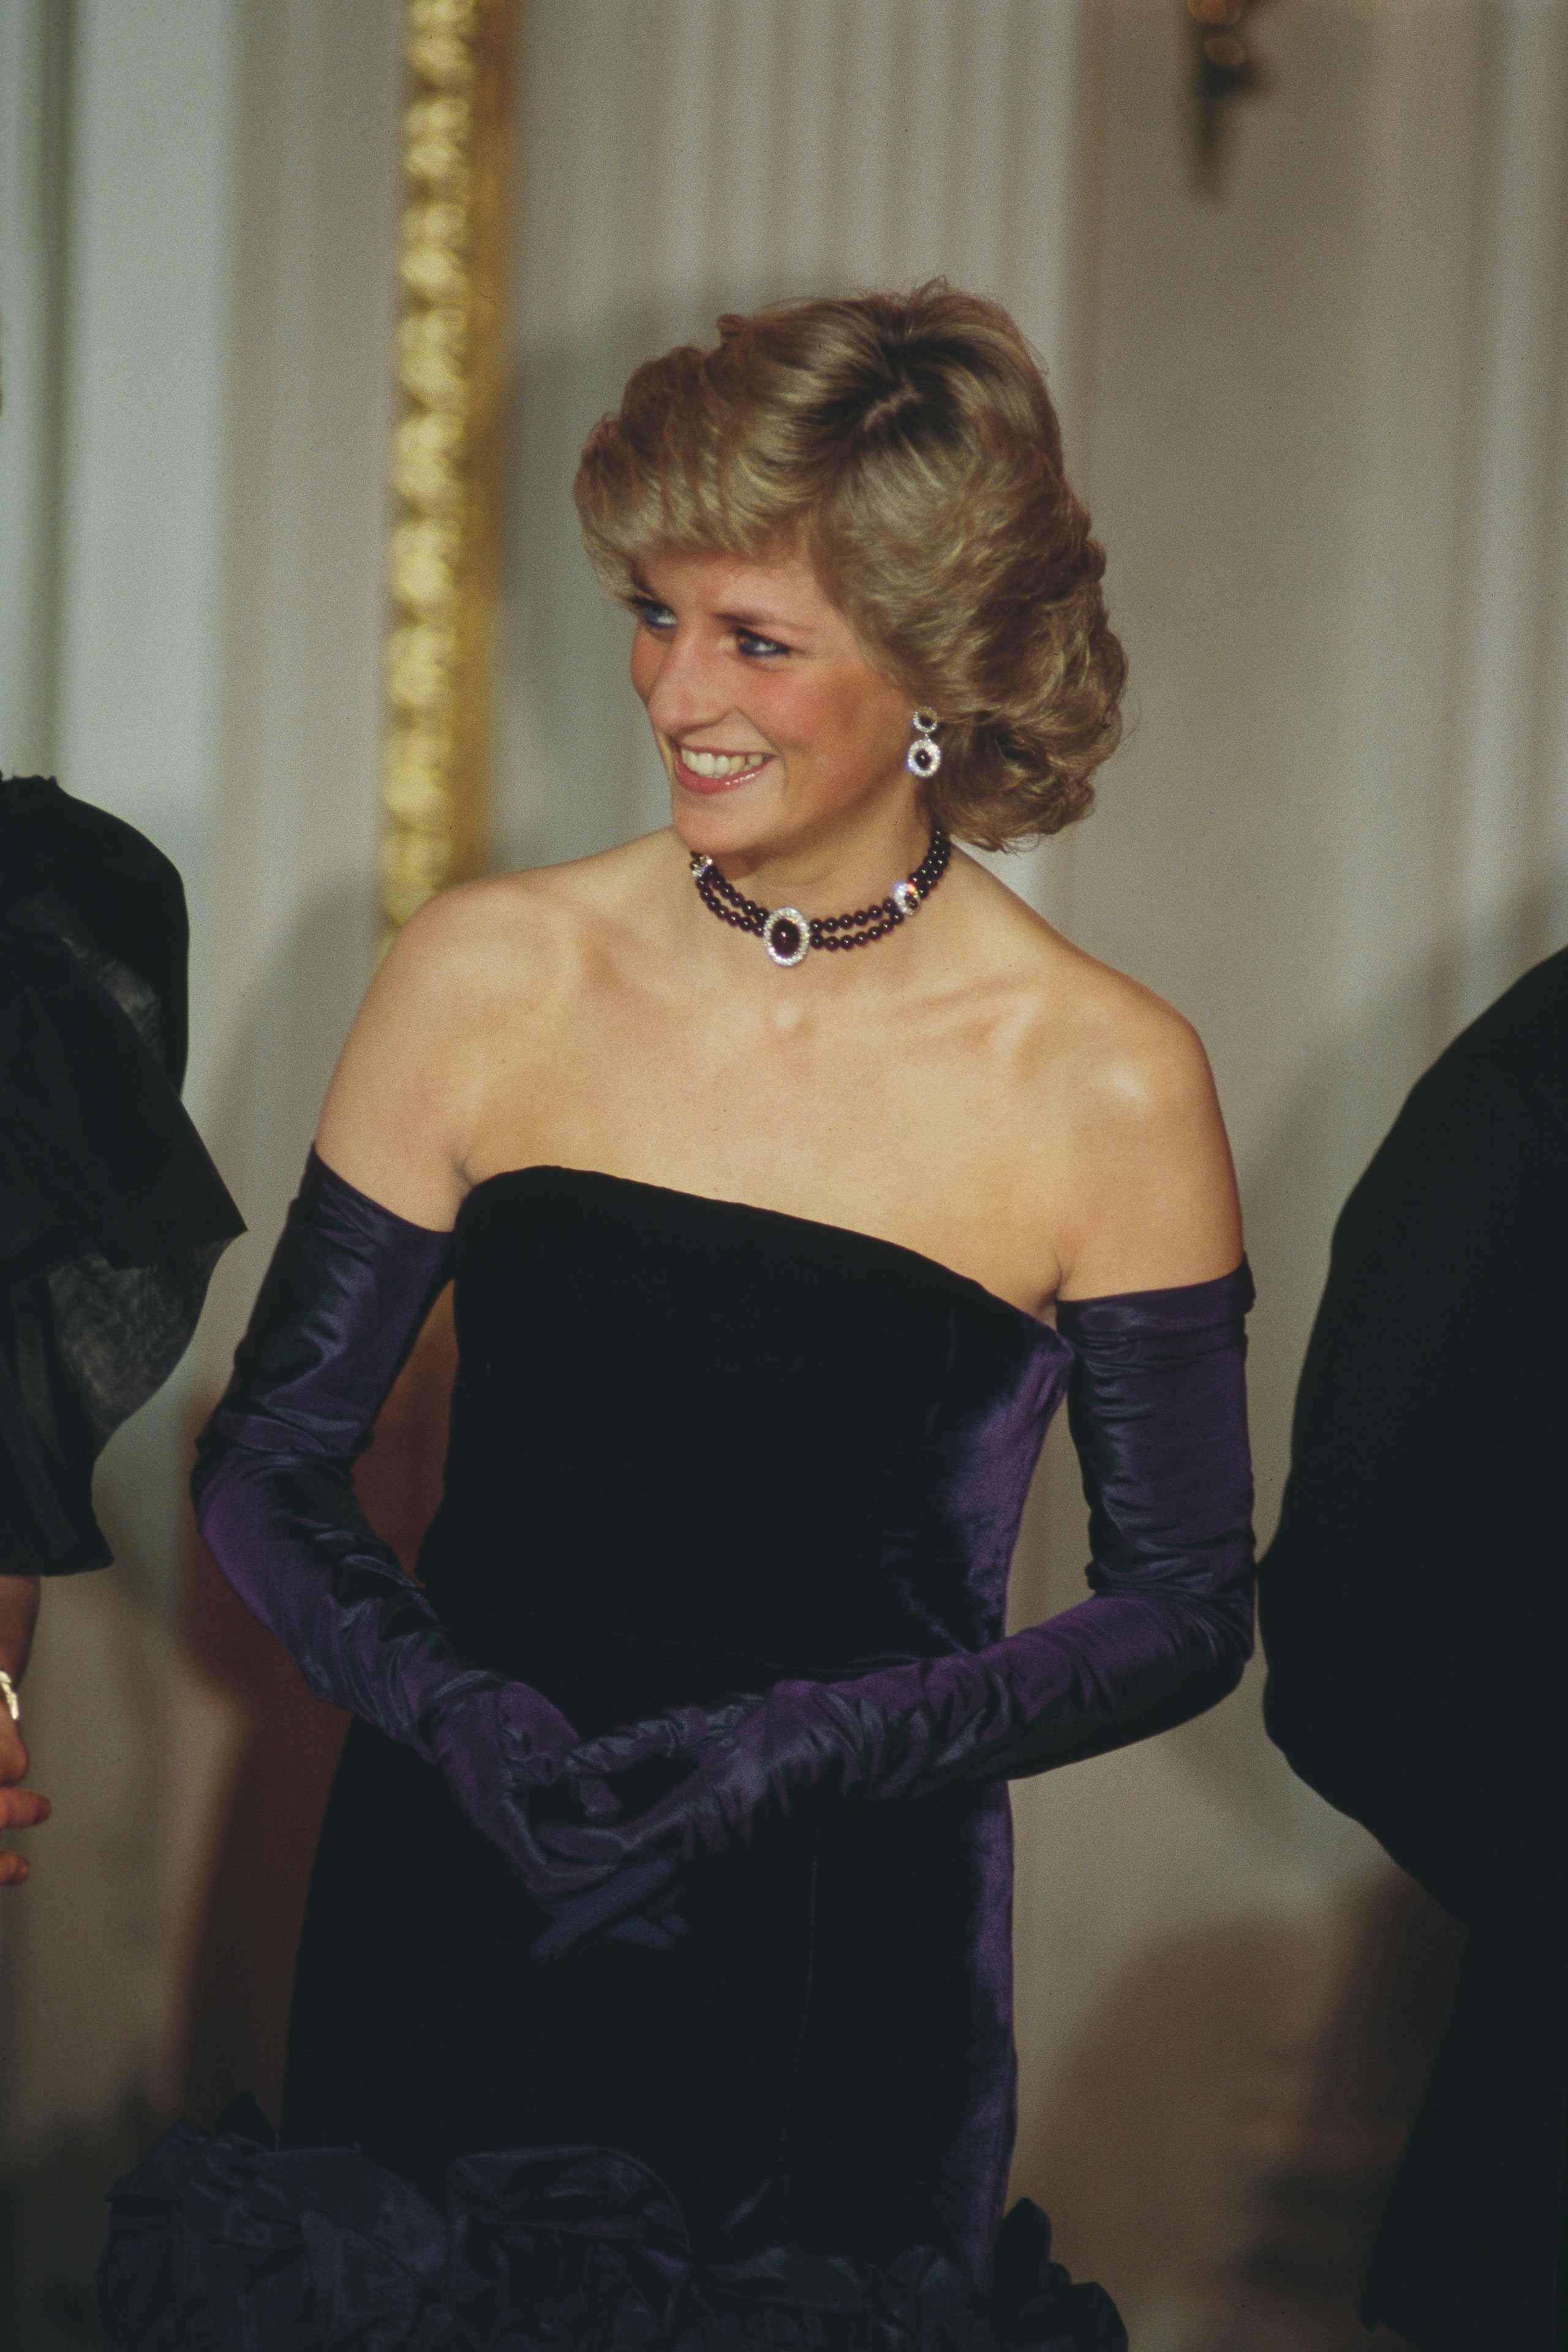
[219, 2243]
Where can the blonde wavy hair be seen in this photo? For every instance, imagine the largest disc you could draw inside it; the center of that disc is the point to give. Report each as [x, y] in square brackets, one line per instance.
[906, 447]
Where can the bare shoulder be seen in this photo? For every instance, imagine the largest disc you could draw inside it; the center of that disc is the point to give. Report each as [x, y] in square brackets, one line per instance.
[461, 988]
[1104, 1038]
[1131, 1058]
[1124, 1109]
[512, 940]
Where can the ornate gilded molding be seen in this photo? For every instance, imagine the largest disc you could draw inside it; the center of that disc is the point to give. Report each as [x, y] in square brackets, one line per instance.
[448, 454]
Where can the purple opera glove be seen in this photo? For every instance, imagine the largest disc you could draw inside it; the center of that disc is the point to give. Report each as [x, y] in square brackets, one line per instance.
[349, 1288]
[1157, 1407]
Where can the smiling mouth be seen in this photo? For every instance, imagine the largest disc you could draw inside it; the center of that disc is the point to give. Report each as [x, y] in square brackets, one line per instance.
[720, 763]
[716, 771]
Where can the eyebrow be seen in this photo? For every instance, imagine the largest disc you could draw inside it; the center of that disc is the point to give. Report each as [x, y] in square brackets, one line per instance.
[762, 625]
[755, 622]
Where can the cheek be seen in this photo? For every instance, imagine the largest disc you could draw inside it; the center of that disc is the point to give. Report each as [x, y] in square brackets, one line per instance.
[858, 723]
[827, 721]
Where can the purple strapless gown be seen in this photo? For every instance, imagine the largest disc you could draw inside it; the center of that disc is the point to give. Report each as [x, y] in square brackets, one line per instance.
[696, 1447]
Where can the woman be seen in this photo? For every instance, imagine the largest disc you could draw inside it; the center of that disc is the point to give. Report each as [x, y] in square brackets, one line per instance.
[660, 1929]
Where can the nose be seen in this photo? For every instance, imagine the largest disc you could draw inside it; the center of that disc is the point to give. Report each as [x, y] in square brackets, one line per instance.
[683, 684]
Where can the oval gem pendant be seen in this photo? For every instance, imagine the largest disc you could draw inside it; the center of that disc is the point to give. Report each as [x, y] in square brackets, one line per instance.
[786, 934]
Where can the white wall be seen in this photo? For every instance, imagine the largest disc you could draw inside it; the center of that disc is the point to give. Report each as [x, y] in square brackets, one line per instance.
[34, 43]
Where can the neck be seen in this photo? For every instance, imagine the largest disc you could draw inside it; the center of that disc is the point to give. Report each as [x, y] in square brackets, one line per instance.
[834, 872]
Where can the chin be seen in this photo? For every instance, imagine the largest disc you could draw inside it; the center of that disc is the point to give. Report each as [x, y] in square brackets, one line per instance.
[722, 825]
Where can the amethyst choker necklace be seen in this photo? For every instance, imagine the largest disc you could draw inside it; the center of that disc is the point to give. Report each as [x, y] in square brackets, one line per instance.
[788, 935]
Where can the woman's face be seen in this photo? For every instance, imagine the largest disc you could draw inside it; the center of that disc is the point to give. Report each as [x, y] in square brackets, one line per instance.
[772, 726]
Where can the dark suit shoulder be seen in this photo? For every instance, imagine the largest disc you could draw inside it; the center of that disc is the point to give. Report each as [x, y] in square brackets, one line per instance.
[1478, 1154]
[1522, 1039]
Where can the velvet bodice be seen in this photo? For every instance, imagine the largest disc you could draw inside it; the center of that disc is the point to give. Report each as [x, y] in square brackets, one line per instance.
[721, 1445]
[696, 1447]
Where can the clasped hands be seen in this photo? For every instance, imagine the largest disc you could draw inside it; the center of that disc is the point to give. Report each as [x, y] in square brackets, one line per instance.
[602, 1832]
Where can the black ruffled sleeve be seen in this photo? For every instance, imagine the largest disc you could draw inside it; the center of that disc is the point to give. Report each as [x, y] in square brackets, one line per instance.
[111, 1214]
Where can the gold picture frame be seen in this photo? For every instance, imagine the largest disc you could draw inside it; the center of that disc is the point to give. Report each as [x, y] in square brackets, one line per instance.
[443, 555]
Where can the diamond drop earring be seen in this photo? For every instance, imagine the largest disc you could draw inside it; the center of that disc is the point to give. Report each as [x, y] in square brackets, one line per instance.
[924, 757]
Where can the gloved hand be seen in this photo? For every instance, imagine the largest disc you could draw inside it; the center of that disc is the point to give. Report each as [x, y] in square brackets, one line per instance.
[1157, 1407]
[344, 1297]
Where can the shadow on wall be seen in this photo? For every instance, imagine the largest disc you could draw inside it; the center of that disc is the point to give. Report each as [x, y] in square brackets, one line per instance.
[54, 2222]
[1223, 2129]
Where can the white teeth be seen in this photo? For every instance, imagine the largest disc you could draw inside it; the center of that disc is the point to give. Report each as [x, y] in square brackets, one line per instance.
[722, 763]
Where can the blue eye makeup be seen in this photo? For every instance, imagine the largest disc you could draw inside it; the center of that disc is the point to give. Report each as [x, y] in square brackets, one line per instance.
[650, 613]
